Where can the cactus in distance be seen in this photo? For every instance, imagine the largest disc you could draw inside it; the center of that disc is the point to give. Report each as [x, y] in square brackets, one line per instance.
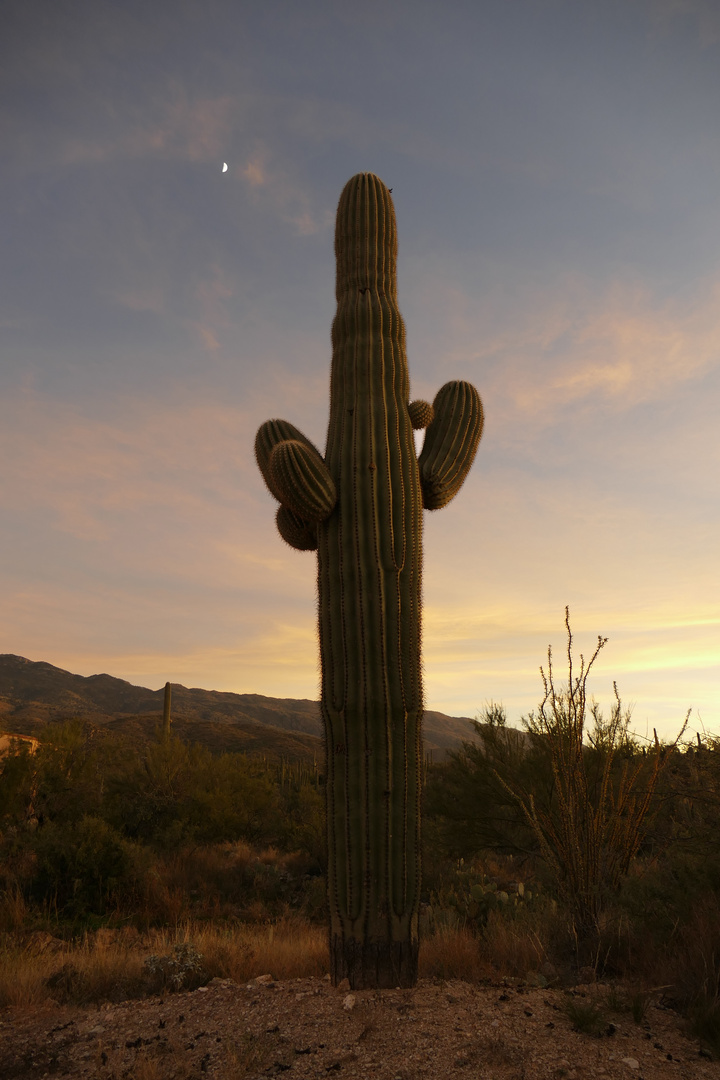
[360, 506]
[167, 697]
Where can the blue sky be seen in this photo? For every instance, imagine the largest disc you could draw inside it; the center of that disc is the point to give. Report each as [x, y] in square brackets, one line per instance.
[555, 167]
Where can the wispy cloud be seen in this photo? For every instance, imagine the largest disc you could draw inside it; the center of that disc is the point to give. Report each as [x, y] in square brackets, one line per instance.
[272, 185]
[172, 125]
[211, 294]
[255, 170]
[573, 343]
[170, 455]
[704, 14]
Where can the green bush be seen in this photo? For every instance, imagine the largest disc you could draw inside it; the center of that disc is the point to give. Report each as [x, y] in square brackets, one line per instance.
[175, 794]
[88, 868]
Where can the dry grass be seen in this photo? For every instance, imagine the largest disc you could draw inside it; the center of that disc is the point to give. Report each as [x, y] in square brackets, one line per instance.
[110, 965]
[102, 969]
[453, 953]
[507, 948]
[292, 948]
[13, 909]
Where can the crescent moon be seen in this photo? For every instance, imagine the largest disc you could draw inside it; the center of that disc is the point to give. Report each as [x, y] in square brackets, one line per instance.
[224, 166]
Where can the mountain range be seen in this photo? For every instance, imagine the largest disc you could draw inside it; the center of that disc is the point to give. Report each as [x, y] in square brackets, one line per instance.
[34, 694]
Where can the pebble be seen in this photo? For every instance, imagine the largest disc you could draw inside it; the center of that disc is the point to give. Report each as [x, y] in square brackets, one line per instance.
[261, 980]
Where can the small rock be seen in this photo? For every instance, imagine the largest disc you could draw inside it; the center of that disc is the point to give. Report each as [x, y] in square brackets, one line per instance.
[261, 980]
[632, 1063]
[344, 984]
[337, 1062]
[349, 1003]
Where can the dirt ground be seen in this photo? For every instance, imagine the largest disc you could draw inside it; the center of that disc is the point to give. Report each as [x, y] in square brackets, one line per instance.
[309, 1029]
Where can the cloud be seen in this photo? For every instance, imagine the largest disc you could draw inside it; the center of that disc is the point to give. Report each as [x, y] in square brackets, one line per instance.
[275, 186]
[211, 294]
[704, 14]
[541, 350]
[186, 129]
[254, 172]
[172, 456]
[142, 542]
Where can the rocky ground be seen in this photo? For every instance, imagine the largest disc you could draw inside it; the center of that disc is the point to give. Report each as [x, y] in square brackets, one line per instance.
[307, 1028]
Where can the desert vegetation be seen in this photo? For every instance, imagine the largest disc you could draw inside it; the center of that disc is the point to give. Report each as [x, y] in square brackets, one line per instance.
[566, 849]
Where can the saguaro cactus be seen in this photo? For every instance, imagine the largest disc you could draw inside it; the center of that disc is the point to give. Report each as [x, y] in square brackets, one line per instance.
[361, 507]
[166, 711]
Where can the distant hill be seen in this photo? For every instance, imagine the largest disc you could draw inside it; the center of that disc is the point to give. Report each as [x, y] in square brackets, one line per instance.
[34, 693]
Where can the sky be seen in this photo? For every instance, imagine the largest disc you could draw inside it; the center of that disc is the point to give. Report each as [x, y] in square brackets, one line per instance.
[555, 167]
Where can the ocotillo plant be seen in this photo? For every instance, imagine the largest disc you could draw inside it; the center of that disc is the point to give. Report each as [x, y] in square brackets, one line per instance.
[361, 507]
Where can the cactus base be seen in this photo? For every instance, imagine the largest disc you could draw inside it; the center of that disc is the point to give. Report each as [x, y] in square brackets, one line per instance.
[373, 965]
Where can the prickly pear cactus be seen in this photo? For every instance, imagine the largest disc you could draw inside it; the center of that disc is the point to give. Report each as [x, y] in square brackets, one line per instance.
[361, 507]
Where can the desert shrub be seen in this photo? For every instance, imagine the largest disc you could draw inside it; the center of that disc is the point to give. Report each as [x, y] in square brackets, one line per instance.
[68, 773]
[583, 796]
[177, 794]
[16, 786]
[304, 816]
[87, 868]
[182, 969]
[593, 828]
[467, 807]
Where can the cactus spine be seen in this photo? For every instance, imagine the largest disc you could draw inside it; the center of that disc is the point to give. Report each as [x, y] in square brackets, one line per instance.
[361, 507]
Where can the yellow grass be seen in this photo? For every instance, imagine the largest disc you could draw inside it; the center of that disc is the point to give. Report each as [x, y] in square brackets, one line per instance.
[508, 948]
[107, 967]
[101, 970]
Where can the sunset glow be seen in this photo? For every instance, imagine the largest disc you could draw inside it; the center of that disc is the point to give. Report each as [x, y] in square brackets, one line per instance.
[554, 169]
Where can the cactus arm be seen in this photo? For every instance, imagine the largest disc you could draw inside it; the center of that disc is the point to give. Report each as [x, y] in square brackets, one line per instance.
[303, 480]
[421, 414]
[299, 534]
[269, 435]
[296, 475]
[451, 442]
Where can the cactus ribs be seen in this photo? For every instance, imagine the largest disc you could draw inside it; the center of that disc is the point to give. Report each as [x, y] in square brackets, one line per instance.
[361, 508]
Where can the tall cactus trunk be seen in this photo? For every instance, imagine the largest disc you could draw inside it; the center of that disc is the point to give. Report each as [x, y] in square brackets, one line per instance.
[166, 711]
[361, 507]
[369, 571]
